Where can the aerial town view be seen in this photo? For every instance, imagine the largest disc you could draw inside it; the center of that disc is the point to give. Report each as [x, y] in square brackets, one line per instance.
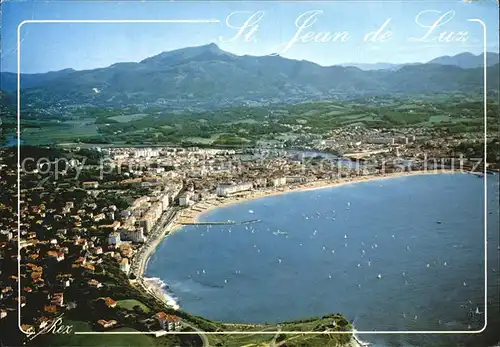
[250, 174]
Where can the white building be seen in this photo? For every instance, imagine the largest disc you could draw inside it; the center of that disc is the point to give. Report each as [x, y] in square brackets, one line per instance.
[145, 153]
[185, 199]
[125, 265]
[279, 181]
[146, 224]
[114, 239]
[295, 179]
[90, 184]
[165, 201]
[229, 188]
[134, 234]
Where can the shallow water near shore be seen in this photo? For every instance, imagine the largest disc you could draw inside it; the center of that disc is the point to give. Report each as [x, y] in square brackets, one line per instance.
[403, 253]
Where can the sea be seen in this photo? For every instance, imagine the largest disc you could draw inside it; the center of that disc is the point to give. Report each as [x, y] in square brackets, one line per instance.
[394, 254]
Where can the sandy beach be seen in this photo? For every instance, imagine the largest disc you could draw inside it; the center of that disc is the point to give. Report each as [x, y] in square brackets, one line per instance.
[193, 213]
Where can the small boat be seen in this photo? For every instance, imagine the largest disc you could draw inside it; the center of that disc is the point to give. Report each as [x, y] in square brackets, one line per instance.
[477, 311]
[250, 211]
[345, 236]
[439, 222]
[379, 276]
[445, 264]
[225, 281]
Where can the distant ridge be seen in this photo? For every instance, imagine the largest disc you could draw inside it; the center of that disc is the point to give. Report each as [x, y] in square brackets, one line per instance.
[208, 77]
[464, 60]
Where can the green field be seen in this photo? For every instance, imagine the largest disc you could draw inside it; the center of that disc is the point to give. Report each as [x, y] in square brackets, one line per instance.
[129, 304]
[128, 118]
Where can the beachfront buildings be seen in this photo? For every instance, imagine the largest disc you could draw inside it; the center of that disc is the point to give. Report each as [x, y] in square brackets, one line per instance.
[132, 233]
[185, 199]
[144, 213]
[226, 189]
[278, 181]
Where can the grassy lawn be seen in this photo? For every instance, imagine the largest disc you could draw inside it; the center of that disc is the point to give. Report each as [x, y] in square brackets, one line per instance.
[129, 304]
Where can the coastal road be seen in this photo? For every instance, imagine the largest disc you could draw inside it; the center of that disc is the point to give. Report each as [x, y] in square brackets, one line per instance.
[273, 342]
[201, 334]
[155, 236]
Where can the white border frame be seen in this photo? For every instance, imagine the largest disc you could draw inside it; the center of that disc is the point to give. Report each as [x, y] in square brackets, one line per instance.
[242, 332]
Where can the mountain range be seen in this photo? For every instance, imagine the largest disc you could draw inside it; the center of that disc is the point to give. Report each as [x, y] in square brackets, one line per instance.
[464, 60]
[206, 76]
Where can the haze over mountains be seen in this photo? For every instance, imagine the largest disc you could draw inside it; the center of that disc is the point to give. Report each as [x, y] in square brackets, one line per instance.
[206, 76]
[464, 60]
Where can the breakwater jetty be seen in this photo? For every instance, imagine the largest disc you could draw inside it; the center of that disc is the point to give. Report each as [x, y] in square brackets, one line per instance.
[229, 222]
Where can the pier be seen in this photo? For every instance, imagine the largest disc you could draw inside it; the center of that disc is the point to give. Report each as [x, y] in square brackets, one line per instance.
[229, 222]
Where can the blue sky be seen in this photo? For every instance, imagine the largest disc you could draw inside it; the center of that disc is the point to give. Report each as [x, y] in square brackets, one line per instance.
[55, 46]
